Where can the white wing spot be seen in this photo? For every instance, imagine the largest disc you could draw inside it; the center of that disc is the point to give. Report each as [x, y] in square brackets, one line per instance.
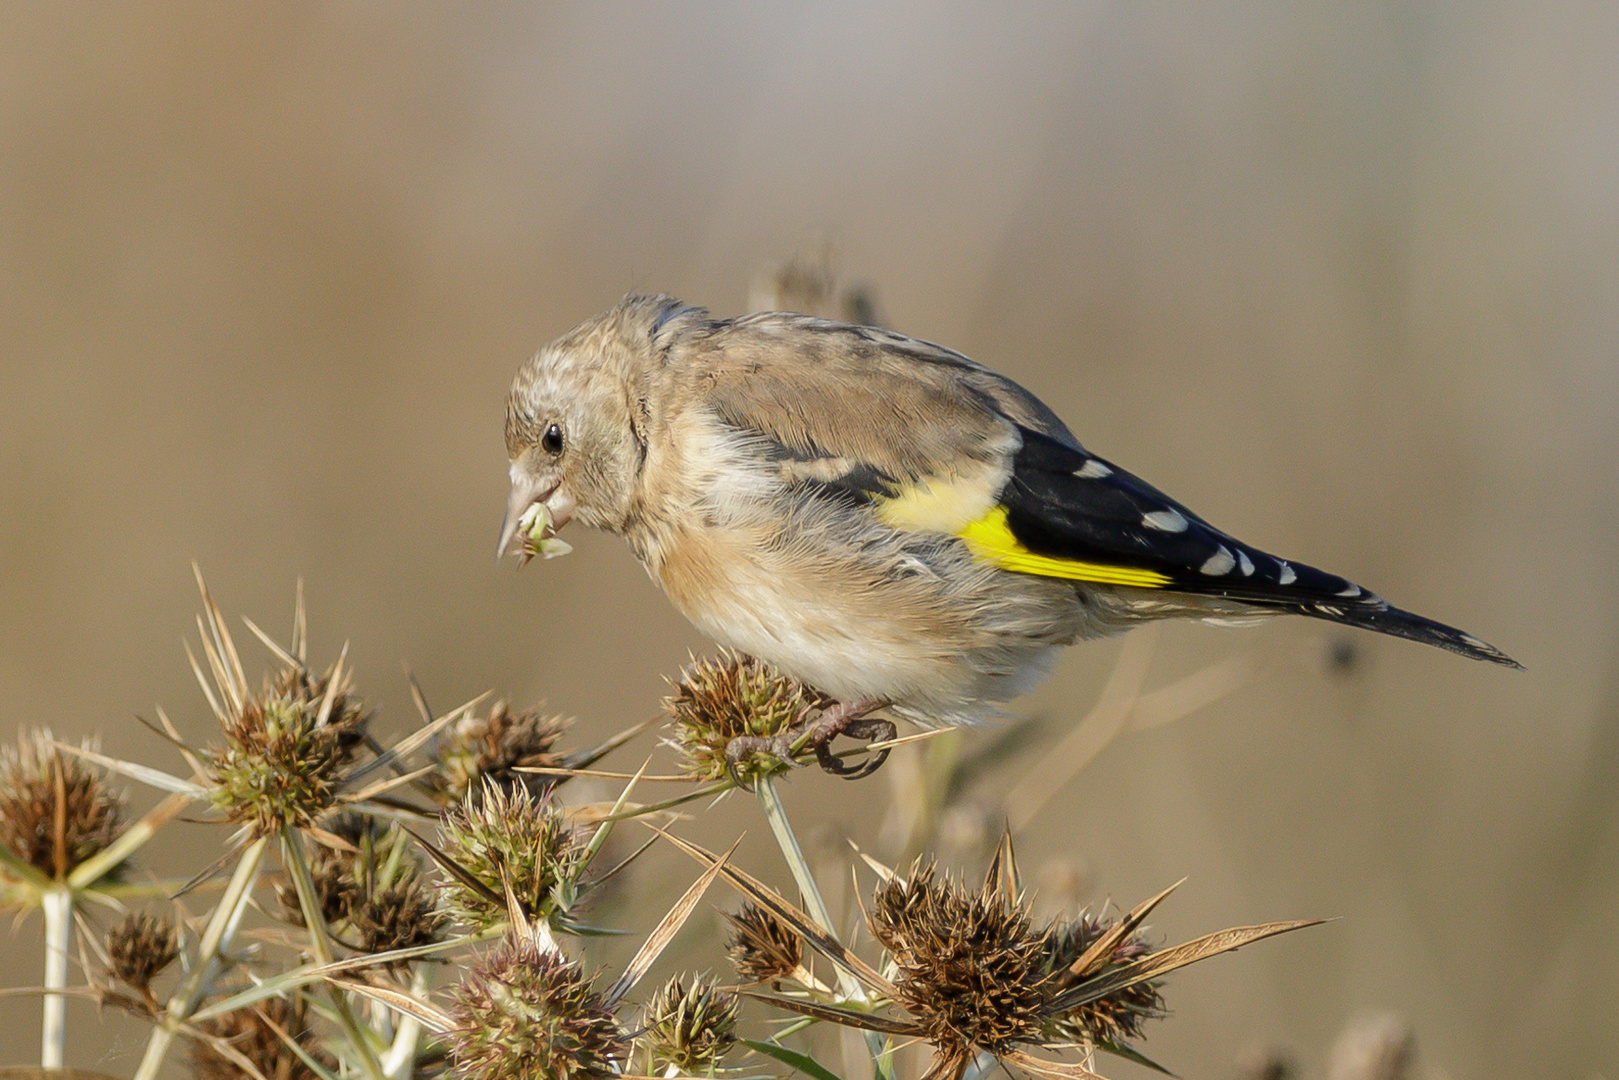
[1287, 576]
[1219, 563]
[1353, 590]
[1245, 562]
[1165, 521]
[1093, 470]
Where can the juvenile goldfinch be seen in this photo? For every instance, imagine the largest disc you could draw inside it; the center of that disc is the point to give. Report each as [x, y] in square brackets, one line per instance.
[875, 515]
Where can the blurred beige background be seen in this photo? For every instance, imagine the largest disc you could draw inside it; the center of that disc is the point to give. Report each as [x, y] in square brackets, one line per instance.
[1342, 276]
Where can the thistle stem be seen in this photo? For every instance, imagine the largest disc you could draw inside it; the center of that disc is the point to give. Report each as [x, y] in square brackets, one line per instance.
[221, 928]
[58, 906]
[320, 945]
[882, 1057]
[400, 1062]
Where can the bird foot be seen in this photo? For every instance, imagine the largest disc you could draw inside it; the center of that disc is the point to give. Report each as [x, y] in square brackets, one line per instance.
[852, 718]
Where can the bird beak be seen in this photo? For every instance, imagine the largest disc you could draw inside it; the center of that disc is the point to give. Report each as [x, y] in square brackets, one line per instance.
[526, 491]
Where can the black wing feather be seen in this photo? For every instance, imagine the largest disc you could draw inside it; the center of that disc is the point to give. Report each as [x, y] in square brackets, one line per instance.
[1066, 503]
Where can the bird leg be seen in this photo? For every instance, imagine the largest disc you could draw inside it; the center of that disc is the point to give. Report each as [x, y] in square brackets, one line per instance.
[851, 718]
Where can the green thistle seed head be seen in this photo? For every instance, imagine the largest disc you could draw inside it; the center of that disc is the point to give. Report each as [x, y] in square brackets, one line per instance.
[717, 700]
[762, 948]
[1118, 1016]
[56, 810]
[970, 968]
[693, 1029]
[248, 1032]
[140, 947]
[280, 765]
[511, 835]
[492, 747]
[526, 1012]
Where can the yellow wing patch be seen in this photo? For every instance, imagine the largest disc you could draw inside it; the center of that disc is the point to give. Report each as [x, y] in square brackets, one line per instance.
[942, 504]
[990, 538]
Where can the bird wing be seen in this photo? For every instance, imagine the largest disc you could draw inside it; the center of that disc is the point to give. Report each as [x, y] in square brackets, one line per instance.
[935, 443]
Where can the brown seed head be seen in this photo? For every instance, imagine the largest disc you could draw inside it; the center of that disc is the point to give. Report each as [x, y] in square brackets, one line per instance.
[526, 1012]
[510, 835]
[56, 811]
[401, 915]
[380, 895]
[1116, 1017]
[280, 765]
[492, 747]
[717, 700]
[140, 947]
[971, 969]
[693, 1029]
[337, 882]
[762, 948]
[248, 1033]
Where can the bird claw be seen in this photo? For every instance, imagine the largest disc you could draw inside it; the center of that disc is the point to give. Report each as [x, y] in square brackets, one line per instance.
[851, 719]
[871, 730]
[778, 746]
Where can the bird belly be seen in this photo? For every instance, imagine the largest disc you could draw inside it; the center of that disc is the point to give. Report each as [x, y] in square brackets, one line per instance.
[932, 632]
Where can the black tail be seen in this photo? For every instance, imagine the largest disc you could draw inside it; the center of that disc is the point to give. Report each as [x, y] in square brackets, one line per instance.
[1371, 612]
[1304, 590]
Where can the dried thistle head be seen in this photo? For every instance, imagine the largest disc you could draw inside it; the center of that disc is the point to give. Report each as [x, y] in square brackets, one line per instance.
[56, 811]
[525, 1012]
[718, 700]
[400, 915]
[139, 947]
[491, 747]
[333, 871]
[285, 750]
[691, 1030]
[761, 947]
[969, 966]
[1117, 1016]
[378, 890]
[511, 836]
[249, 1032]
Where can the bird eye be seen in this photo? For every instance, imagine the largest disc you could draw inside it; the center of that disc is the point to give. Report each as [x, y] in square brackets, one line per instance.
[552, 439]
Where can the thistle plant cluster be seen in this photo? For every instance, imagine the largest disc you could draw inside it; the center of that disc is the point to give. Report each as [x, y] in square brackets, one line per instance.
[424, 908]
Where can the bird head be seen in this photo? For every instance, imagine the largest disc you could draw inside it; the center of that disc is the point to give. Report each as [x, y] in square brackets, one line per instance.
[576, 420]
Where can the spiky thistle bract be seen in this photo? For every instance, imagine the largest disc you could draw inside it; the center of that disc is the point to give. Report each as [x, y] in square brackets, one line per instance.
[285, 750]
